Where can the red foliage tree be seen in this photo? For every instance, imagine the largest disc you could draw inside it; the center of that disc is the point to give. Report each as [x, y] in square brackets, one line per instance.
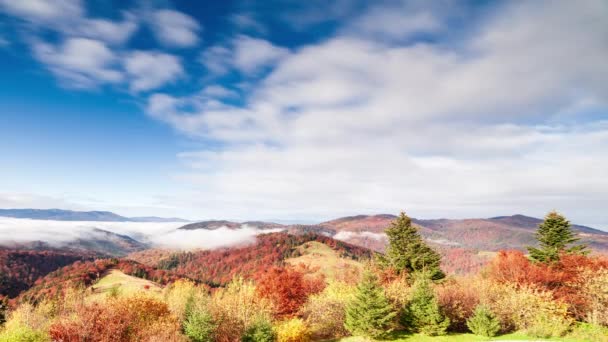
[287, 288]
[563, 278]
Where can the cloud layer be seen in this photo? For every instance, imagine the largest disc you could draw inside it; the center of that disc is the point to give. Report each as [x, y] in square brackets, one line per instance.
[160, 235]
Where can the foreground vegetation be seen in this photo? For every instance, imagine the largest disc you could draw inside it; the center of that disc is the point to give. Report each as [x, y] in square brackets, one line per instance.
[560, 293]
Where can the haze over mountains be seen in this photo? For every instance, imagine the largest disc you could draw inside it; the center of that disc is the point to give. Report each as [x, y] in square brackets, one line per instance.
[112, 234]
[70, 215]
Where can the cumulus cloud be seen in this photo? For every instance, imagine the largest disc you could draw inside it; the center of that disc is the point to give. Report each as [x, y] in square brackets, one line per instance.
[252, 54]
[165, 235]
[175, 29]
[109, 31]
[43, 10]
[243, 53]
[80, 62]
[473, 126]
[149, 70]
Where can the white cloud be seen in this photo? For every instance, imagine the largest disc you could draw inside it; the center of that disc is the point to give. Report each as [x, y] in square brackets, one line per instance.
[400, 21]
[246, 54]
[69, 18]
[465, 128]
[79, 62]
[43, 10]
[174, 28]
[217, 91]
[252, 54]
[149, 70]
[216, 59]
[107, 30]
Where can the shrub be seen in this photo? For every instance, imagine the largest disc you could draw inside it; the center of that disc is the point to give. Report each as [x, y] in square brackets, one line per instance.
[397, 290]
[26, 323]
[483, 322]
[260, 331]
[369, 314]
[237, 307]
[589, 332]
[23, 334]
[522, 308]
[595, 290]
[119, 319]
[547, 325]
[458, 299]
[325, 313]
[423, 313]
[293, 330]
[287, 289]
[178, 294]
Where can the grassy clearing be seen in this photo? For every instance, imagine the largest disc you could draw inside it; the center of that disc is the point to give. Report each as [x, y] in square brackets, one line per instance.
[458, 338]
[116, 282]
[320, 257]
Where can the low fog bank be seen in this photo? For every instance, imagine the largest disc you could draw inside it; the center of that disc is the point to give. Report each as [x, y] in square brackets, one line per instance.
[346, 236]
[156, 234]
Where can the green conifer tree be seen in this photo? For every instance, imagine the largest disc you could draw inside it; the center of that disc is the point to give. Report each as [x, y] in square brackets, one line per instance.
[370, 314]
[422, 313]
[198, 324]
[483, 322]
[554, 236]
[260, 331]
[408, 252]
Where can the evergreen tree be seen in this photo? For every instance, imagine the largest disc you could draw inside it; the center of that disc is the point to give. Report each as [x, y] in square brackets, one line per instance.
[483, 322]
[260, 331]
[408, 252]
[554, 235]
[422, 313]
[369, 314]
[198, 323]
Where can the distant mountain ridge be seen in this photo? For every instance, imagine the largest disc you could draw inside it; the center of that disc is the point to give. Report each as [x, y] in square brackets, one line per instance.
[71, 215]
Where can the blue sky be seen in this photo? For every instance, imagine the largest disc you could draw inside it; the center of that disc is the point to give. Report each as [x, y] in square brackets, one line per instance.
[309, 110]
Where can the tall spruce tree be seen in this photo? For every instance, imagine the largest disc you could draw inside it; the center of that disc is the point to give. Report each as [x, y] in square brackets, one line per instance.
[370, 314]
[554, 236]
[423, 313]
[408, 252]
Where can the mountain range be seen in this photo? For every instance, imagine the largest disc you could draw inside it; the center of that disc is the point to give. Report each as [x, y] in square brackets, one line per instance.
[70, 215]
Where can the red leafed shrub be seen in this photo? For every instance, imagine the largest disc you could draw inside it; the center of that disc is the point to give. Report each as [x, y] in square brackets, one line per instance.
[121, 320]
[287, 288]
[563, 278]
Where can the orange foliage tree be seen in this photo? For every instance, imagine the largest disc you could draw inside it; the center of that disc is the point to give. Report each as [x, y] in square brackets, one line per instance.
[288, 289]
[120, 320]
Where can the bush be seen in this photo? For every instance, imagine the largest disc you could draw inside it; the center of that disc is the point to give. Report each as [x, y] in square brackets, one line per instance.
[526, 308]
[423, 313]
[287, 289]
[595, 290]
[483, 322]
[293, 330]
[325, 312]
[589, 332]
[119, 319]
[236, 308]
[260, 331]
[27, 323]
[23, 334]
[458, 300]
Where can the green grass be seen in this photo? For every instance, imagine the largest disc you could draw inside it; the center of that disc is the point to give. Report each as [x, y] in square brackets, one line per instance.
[121, 284]
[397, 337]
